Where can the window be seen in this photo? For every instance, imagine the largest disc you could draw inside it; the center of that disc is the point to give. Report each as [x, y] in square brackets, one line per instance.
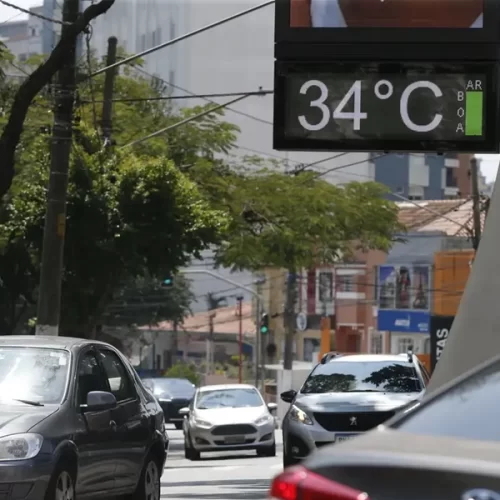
[469, 410]
[425, 373]
[119, 381]
[405, 344]
[415, 197]
[33, 374]
[363, 376]
[325, 286]
[346, 283]
[231, 398]
[33, 31]
[377, 344]
[90, 378]
[173, 33]
[171, 77]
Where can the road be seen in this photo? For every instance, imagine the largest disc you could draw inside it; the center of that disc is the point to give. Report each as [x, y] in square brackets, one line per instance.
[218, 476]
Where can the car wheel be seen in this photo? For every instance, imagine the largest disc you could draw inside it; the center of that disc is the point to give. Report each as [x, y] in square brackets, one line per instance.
[288, 460]
[149, 482]
[267, 451]
[189, 452]
[178, 425]
[61, 485]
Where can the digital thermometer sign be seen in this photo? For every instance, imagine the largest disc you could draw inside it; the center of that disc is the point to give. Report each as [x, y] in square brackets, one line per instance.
[385, 107]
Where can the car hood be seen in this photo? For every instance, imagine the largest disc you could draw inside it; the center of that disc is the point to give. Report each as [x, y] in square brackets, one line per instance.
[223, 416]
[19, 419]
[355, 401]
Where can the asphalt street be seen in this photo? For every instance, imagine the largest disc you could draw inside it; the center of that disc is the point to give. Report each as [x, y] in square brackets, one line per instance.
[218, 476]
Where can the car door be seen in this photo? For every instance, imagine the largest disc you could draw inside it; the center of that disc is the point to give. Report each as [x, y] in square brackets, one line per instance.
[131, 418]
[95, 436]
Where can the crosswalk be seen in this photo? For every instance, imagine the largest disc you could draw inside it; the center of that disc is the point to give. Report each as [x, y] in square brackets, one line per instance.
[222, 468]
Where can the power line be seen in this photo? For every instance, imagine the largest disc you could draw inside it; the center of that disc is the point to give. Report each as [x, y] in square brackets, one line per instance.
[198, 96]
[182, 37]
[193, 95]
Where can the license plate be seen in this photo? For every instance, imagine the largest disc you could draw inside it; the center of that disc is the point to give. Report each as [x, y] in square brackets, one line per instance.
[345, 437]
[234, 439]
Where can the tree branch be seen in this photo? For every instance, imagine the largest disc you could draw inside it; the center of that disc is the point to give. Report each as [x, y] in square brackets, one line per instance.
[32, 86]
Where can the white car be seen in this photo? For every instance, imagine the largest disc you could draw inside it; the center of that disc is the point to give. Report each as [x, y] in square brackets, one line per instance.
[228, 417]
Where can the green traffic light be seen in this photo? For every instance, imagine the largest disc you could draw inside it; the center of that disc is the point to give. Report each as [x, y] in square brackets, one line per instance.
[264, 329]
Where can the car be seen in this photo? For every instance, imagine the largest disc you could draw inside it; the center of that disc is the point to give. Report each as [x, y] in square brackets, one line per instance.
[446, 445]
[346, 395]
[172, 394]
[76, 421]
[227, 418]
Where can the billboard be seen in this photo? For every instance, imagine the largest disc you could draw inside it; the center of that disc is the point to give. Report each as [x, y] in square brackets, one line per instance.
[389, 14]
[404, 299]
[439, 331]
[336, 106]
[379, 21]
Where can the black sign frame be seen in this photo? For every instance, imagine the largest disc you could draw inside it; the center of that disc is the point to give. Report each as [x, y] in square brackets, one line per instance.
[490, 144]
[489, 33]
[438, 323]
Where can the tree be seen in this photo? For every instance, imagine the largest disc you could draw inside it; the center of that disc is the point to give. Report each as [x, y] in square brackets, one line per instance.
[33, 85]
[144, 301]
[183, 370]
[296, 222]
[133, 213]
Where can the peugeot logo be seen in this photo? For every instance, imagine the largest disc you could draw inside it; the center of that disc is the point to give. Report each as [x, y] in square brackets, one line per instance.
[354, 421]
[480, 494]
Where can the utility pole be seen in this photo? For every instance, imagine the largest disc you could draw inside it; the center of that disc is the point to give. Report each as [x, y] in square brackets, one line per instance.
[240, 338]
[476, 202]
[49, 300]
[289, 318]
[109, 85]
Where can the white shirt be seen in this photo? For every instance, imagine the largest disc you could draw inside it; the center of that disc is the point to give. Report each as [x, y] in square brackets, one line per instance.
[327, 14]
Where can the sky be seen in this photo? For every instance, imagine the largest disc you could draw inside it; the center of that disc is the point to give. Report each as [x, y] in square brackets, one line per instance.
[489, 163]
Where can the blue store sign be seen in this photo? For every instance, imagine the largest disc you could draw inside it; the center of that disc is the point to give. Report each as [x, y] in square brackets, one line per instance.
[403, 321]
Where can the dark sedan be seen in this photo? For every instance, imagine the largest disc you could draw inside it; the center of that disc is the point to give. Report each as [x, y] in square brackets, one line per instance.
[446, 446]
[172, 394]
[76, 421]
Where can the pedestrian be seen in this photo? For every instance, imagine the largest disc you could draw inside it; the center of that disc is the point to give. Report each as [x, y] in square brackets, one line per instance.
[386, 13]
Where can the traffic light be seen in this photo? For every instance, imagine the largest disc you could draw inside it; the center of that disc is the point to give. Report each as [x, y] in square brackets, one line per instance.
[167, 282]
[264, 324]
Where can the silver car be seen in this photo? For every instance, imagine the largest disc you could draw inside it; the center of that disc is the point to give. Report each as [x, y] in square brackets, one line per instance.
[228, 418]
[347, 395]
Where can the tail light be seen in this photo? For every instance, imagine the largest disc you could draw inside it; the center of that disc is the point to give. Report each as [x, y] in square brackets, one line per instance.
[297, 483]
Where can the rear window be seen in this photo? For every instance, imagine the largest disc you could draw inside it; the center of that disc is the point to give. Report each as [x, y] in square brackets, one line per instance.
[369, 376]
[469, 411]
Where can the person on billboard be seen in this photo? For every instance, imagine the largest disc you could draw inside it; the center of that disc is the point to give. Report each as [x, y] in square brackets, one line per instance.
[386, 13]
[403, 286]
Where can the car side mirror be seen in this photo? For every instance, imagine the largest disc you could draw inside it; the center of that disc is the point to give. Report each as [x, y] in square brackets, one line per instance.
[184, 412]
[272, 406]
[99, 401]
[288, 396]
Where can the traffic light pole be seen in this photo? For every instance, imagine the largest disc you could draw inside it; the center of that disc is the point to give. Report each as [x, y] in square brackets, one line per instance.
[259, 367]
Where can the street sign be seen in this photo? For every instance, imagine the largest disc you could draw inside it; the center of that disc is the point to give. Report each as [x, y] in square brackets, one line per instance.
[301, 322]
[439, 331]
[398, 106]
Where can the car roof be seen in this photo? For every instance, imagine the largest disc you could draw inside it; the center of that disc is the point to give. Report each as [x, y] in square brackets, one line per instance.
[47, 341]
[225, 386]
[360, 358]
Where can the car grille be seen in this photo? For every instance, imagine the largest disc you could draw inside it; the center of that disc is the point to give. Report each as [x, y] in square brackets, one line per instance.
[343, 422]
[233, 430]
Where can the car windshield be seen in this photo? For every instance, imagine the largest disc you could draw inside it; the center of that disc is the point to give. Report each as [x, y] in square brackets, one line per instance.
[369, 376]
[33, 375]
[228, 398]
[470, 410]
[177, 387]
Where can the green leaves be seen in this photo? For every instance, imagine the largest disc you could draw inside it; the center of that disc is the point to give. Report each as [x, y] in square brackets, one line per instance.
[294, 222]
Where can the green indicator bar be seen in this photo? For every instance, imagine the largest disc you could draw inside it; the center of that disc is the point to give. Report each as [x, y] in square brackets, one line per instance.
[473, 113]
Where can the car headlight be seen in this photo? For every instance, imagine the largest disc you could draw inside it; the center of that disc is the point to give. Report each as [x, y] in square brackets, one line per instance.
[201, 423]
[300, 416]
[264, 420]
[164, 400]
[20, 446]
